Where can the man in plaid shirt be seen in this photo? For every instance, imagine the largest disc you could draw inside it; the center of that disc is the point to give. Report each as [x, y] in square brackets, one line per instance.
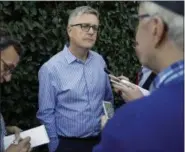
[10, 51]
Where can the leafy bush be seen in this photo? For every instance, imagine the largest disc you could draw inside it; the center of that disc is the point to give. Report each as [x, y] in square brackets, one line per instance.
[41, 28]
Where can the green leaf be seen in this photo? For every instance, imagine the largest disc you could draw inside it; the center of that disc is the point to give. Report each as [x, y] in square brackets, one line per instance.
[6, 11]
[26, 10]
[34, 11]
[6, 3]
[17, 7]
[1, 6]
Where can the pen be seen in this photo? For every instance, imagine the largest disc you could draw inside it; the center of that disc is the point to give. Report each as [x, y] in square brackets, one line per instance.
[16, 141]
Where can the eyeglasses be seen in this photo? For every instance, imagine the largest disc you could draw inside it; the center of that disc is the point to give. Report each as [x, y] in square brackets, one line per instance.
[7, 68]
[86, 27]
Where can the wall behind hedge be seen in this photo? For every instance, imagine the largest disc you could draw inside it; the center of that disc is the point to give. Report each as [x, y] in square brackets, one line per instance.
[41, 28]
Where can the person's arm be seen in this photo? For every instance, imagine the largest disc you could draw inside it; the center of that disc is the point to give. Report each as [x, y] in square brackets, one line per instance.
[47, 101]
[108, 91]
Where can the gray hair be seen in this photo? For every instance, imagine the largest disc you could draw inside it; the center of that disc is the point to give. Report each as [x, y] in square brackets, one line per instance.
[80, 11]
[173, 21]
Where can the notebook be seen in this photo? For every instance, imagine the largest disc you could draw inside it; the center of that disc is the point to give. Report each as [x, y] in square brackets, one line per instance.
[38, 136]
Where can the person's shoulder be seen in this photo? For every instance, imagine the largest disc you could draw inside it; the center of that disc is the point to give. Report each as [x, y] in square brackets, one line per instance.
[95, 53]
[50, 63]
[98, 57]
[54, 60]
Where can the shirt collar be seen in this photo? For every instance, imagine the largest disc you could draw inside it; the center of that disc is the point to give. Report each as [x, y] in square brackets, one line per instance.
[174, 71]
[68, 55]
[71, 58]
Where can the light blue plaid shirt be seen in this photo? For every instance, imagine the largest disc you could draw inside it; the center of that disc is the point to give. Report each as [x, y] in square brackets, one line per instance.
[71, 94]
[2, 133]
[171, 73]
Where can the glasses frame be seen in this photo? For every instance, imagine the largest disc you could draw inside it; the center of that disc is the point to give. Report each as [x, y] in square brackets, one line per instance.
[94, 27]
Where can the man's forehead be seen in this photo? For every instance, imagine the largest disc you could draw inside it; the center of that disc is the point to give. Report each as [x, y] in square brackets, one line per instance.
[85, 17]
[10, 54]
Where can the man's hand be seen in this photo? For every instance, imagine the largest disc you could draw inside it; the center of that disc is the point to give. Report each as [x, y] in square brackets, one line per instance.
[128, 91]
[123, 78]
[104, 120]
[23, 146]
[14, 130]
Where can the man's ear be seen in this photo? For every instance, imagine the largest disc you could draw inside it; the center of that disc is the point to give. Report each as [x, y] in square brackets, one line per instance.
[158, 31]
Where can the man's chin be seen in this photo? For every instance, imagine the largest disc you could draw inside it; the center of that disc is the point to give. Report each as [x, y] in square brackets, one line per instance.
[88, 46]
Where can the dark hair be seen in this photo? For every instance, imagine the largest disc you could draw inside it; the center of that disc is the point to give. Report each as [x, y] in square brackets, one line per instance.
[6, 41]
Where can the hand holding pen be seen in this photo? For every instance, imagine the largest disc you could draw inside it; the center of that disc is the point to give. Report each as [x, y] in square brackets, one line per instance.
[19, 144]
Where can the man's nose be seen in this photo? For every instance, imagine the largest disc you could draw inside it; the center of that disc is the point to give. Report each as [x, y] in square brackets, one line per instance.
[91, 31]
[8, 77]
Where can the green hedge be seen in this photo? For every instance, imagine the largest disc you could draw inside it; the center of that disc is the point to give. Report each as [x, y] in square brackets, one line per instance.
[41, 28]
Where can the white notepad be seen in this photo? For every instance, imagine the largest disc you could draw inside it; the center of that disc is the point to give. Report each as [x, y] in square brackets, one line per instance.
[38, 136]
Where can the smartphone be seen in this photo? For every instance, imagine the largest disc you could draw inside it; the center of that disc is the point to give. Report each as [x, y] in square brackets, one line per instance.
[108, 109]
[107, 71]
[112, 77]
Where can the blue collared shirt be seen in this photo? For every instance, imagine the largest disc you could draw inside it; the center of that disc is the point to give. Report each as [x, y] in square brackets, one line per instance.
[71, 94]
[171, 73]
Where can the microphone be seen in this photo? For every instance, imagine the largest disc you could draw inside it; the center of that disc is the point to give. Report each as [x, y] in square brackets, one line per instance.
[107, 71]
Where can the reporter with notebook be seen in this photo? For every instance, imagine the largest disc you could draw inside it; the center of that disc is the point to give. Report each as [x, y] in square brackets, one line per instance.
[154, 123]
[10, 51]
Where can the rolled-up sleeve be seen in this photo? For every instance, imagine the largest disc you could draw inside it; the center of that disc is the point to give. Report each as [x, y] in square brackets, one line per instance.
[47, 101]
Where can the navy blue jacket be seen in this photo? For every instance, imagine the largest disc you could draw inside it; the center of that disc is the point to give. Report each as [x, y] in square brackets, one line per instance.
[150, 124]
